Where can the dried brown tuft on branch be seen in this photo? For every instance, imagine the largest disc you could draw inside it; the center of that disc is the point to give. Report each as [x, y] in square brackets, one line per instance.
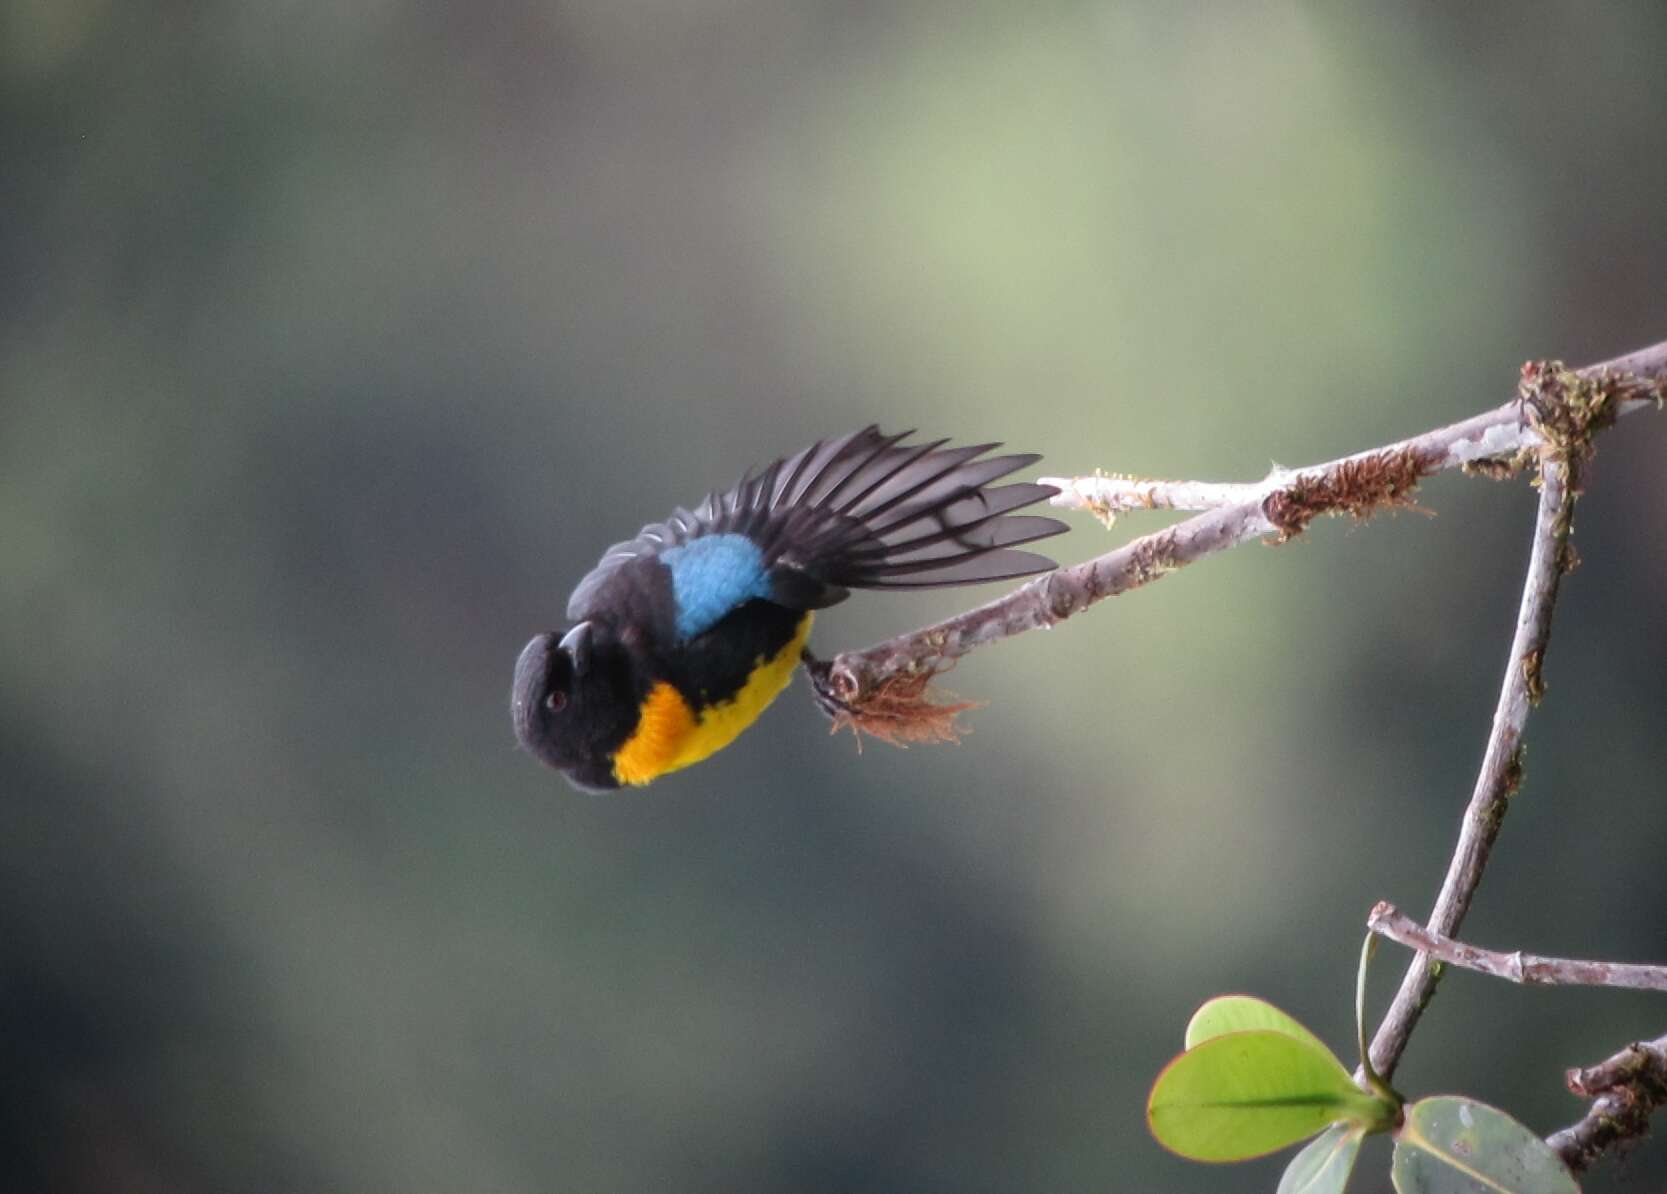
[1358, 488]
[1498, 468]
[903, 709]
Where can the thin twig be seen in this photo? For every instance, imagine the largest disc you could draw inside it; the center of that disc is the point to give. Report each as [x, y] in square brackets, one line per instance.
[1386, 920]
[1106, 496]
[1625, 1091]
[1280, 507]
[1501, 762]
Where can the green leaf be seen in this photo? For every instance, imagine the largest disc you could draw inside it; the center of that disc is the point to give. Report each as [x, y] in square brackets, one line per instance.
[1247, 1094]
[1243, 1013]
[1454, 1145]
[1323, 1167]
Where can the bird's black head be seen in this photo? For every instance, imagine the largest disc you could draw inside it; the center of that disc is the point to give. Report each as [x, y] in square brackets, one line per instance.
[575, 702]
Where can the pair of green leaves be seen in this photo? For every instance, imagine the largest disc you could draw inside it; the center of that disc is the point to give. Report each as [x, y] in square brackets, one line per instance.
[1253, 1081]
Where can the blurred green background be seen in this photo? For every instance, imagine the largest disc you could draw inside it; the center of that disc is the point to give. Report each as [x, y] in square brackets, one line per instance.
[336, 342]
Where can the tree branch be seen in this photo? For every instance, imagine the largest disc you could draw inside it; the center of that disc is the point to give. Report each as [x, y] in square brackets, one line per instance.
[1626, 1090]
[1386, 920]
[1501, 770]
[895, 672]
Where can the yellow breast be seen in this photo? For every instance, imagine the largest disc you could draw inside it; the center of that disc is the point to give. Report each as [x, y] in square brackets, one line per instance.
[670, 735]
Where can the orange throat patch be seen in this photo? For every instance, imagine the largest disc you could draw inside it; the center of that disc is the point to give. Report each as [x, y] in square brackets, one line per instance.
[670, 735]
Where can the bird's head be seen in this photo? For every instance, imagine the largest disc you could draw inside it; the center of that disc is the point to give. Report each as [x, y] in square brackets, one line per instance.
[575, 702]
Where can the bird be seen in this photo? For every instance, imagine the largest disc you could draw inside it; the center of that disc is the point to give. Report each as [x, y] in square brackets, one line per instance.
[678, 639]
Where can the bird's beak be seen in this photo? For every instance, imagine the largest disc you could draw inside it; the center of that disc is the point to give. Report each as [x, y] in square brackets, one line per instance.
[576, 643]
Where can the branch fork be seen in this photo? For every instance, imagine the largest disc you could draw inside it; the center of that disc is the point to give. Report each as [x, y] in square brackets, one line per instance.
[884, 690]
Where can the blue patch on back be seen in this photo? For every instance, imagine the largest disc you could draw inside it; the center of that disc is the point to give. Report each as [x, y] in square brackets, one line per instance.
[711, 576]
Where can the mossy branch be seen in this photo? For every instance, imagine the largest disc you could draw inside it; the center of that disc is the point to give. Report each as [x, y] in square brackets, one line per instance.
[1555, 409]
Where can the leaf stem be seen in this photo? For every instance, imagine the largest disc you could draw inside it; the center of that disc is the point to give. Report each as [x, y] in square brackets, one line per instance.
[1374, 1080]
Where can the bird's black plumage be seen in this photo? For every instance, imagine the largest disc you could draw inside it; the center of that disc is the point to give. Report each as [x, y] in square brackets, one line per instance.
[695, 614]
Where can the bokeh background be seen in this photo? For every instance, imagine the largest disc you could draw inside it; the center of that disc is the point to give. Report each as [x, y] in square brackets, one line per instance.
[336, 342]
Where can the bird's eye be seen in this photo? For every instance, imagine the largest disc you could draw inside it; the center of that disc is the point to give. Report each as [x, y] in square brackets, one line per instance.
[556, 702]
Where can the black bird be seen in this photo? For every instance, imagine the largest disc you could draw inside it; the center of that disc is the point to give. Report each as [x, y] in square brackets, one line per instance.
[679, 638]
